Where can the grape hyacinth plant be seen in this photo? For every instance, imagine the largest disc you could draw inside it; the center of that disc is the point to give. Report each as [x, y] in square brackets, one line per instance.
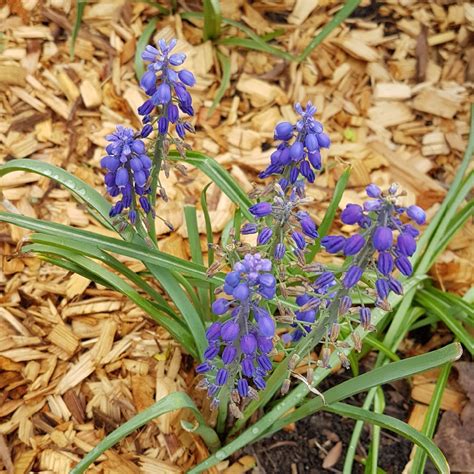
[264, 321]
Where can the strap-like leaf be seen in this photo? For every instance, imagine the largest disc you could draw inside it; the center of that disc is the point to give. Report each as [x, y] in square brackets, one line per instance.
[70, 237]
[219, 176]
[399, 427]
[171, 402]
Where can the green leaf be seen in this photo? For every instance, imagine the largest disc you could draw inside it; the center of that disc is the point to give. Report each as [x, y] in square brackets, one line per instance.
[193, 234]
[196, 253]
[376, 344]
[456, 223]
[273, 420]
[224, 61]
[174, 401]
[158, 6]
[251, 34]
[329, 27]
[246, 43]
[86, 194]
[169, 282]
[376, 377]
[440, 223]
[373, 456]
[431, 418]
[219, 176]
[171, 325]
[275, 380]
[404, 317]
[73, 238]
[80, 5]
[207, 220]
[141, 45]
[328, 218]
[439, 308]
[212, 19]
[396, 426]
[273, 34]
[452, 299]
[112, 262]
[72, 267]
[356, 433]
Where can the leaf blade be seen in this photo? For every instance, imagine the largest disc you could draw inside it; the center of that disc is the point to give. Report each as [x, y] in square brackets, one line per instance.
[171, 402]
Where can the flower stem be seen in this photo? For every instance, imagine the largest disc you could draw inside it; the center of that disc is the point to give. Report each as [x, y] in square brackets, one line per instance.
[157, 161]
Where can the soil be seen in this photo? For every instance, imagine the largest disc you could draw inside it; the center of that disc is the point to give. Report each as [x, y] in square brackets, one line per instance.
[307, 446]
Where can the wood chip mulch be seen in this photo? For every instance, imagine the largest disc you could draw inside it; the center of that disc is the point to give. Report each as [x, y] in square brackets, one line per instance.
[392, 85]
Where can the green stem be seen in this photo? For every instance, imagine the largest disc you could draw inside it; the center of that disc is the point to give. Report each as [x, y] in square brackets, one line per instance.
[157, 161]
[431, 418]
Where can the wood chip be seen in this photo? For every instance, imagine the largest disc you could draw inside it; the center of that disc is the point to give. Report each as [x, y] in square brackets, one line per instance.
[358, 49]
[437, 102]
[301, 11]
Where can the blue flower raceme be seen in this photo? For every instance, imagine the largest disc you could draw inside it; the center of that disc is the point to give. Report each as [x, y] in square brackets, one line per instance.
[237, 358]
[384, 244]
[280, 225]
[167, 88]
[298, 154]
[128, 169]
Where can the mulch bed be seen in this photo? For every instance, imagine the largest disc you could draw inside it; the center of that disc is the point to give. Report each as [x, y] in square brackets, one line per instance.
[392, 85]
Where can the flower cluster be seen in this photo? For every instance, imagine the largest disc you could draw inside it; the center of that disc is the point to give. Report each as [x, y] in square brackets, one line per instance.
[281, 225]
[384, 244]
[237, 356]
[299, 150]
[318, 297]
[128, 169]
[167, 89]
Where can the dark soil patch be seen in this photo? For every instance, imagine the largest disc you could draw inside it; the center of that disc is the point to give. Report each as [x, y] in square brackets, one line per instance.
[307, 446]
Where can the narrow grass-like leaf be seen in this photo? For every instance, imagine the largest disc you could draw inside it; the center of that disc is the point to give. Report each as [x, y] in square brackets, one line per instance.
[431, 418]
[171, 402]
[373, 456]
[170, 284]
[246, 43]
[190, 290]
[212, 19]
[330, 214]
[196, 252]
[439, 242]
[273, 34]
[273, 420]
[190, 217]
[72, 267]
[356, 433]
[224, 61]
[141, 45]
[452, 299]
[171, 325]
[456, 223]
[329, 27]
[158, 6]
[112, 262]
[395, 425]
[275, 380]
[219, 176]
[403, 319]
[248, 31]
[86, 194]
[375, 343]
[439, 308]
[448, 202]
[80, 5]
[207, 220]
[74, 237]
[375, 378]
